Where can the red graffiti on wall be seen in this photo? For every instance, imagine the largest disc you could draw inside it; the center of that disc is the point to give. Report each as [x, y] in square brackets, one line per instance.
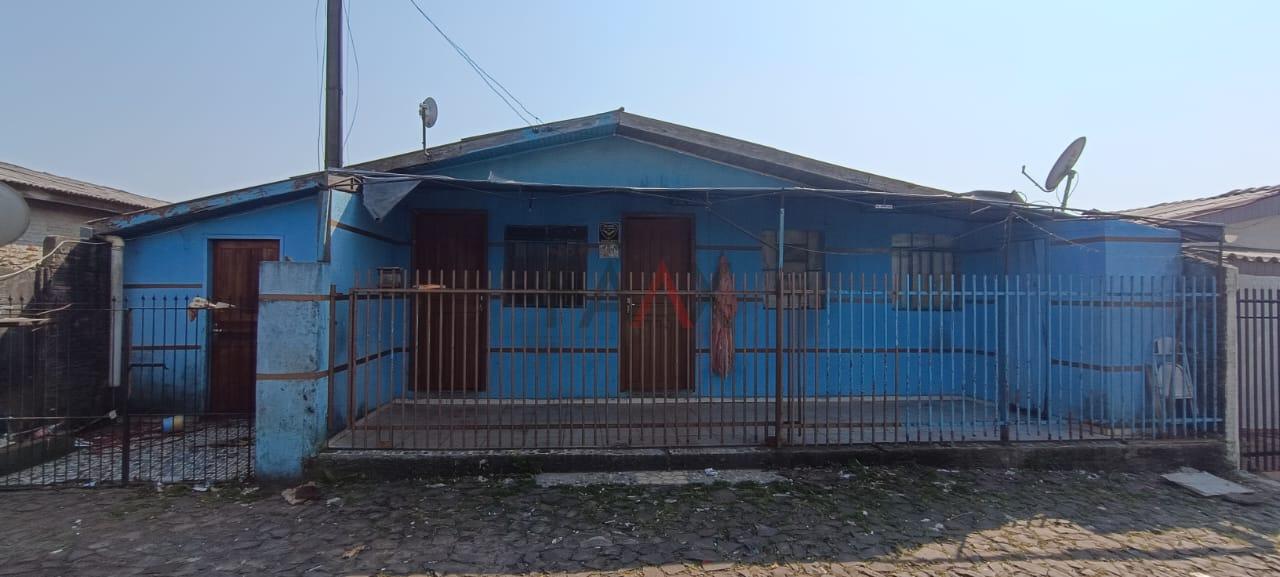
[668, 288]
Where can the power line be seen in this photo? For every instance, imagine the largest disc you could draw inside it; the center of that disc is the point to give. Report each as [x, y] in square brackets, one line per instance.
[488, 79]
[355, 56]
[315, 18]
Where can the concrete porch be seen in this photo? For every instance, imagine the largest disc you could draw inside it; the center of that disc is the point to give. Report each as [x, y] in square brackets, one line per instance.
[618, 423]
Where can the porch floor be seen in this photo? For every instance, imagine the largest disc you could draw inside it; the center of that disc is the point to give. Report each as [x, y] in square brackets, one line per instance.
[470, 424]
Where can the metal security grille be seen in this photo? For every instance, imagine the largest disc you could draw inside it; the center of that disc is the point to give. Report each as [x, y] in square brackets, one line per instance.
[454, 361]
[64, 424]
[1258, 350]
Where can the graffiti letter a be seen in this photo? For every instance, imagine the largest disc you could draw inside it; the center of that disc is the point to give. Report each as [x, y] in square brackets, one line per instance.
[668, 288]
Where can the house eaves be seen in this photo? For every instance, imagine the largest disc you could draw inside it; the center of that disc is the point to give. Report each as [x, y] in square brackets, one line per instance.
[805, 172]
[60, 189]
[700, 143]
[140, 221]
[1233, 206]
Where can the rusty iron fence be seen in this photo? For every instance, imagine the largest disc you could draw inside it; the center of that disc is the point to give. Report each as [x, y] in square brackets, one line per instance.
[478, 360]
[64, 423]
[1258, 361]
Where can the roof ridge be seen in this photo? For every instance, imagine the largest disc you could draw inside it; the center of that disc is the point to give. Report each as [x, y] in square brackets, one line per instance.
[40, 179]
[61, 177]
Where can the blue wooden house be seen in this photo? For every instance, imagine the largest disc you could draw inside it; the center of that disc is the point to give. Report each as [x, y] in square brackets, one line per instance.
[616, 281]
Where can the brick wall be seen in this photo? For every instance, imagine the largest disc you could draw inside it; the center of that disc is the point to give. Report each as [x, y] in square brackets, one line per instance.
[59, 368]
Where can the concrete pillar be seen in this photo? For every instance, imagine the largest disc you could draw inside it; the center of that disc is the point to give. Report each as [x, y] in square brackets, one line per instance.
[293, 385]
[1230, 362]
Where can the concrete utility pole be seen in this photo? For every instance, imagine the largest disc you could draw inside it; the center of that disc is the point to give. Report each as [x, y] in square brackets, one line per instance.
[333, 86]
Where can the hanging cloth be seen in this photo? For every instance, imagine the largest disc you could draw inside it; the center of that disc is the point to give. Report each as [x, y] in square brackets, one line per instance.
[381, 195]
[724, 307]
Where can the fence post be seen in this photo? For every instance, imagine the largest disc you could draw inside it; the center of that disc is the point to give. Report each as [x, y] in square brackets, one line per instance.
[127, 384]
[1002, 298]
[333, 344]
[777, 356]
[1227, 351]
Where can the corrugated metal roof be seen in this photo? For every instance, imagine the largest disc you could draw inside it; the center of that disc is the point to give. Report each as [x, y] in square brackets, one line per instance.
[1192, 208]
[1252, 255]
[19, 175]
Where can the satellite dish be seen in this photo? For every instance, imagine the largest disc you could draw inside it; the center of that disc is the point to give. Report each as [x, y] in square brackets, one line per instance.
[15, 216]
[1065, 165]
[428, 111]
[1063, 168]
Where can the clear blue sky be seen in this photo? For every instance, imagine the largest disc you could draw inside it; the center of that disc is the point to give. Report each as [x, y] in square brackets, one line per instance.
[182, 99]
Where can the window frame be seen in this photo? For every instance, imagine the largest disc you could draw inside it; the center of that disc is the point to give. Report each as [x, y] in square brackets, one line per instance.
[556, 286]
[803, 268]
[928, 260]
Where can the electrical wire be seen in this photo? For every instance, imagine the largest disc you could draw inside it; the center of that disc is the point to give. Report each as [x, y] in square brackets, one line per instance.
[355, 57]
[315, 19]
[488, 79]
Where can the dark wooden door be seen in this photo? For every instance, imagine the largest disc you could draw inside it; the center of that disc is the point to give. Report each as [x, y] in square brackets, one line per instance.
[233, 356]
[451, 329]
[657, 336]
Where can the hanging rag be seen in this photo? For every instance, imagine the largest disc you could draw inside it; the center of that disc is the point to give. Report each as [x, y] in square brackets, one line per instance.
[724, 306]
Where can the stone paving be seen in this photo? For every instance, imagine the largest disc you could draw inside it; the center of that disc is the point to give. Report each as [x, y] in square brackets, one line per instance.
[212, 451]
[858, 521]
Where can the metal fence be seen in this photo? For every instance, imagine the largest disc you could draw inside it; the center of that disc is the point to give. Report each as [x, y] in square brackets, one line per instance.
[1258, 350]
[475, 361]
[63, 422]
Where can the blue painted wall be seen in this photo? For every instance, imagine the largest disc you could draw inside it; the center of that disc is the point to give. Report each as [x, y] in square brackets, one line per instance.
[162, 379]
[951, 353]
[1040, 377]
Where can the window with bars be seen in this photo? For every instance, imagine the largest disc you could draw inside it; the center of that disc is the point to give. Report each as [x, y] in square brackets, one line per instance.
[803, 263]
[923, 271]
[549, 262]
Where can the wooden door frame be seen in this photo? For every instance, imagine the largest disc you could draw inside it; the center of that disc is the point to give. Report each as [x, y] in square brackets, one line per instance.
[693, 260]
[411, 367]
[209, 240]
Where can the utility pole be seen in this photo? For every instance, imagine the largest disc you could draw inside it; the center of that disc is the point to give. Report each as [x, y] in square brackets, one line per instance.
[333, 86]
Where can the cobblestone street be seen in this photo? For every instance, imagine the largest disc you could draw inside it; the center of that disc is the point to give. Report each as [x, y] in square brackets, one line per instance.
[881, 521]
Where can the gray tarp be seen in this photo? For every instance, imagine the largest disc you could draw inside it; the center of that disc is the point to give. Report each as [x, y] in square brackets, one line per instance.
[383, 194]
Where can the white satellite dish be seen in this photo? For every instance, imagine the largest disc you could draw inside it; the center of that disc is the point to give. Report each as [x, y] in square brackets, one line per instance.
[428, 112]
[15, 215]
[1063, 168]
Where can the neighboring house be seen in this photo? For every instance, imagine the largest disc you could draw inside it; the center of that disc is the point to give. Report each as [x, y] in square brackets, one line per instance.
[60, 206]
[1251, 244]
[567, 285]
[1252, 219]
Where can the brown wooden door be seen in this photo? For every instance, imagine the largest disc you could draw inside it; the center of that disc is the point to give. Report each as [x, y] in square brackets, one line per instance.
[451, 329]
[233, 357]
[657, 325]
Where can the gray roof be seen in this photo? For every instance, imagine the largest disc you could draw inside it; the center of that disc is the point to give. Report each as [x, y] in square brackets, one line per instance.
[802, 170]
[1194, 208]
[22, 176]
[1255, 255]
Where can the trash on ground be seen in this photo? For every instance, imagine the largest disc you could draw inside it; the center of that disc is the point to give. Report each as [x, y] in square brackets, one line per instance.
[352, 552]
[301, 494]
[1204, 484]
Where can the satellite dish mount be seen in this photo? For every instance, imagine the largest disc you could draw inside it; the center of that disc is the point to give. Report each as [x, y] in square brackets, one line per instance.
[428, 112]
[1063, 168]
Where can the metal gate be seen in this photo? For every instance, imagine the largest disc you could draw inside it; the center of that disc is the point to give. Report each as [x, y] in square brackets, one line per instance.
[824, 359]
[62, 422]
[1258, 326]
